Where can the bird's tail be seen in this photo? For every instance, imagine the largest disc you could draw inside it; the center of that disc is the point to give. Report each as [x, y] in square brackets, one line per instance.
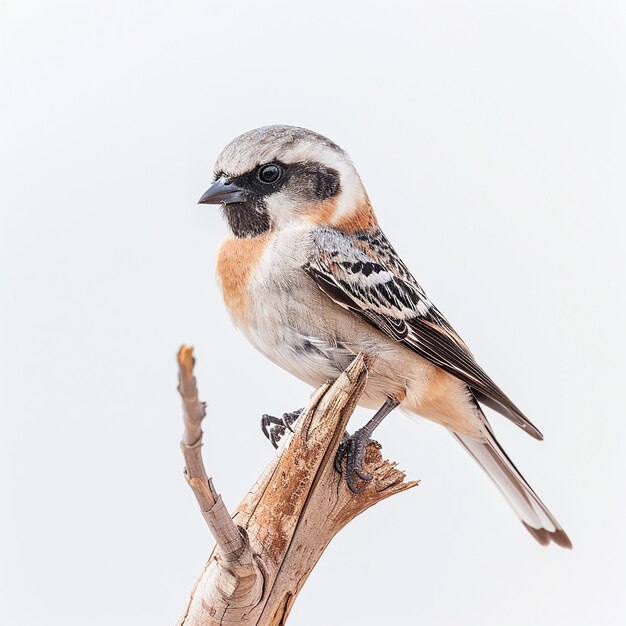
[533, 513]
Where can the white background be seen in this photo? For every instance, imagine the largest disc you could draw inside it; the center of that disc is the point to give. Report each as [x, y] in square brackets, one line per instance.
[491, 137]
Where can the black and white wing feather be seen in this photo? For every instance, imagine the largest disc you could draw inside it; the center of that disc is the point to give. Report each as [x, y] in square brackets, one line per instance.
[363, 274]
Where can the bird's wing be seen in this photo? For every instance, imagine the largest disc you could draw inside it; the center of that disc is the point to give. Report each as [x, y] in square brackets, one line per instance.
[362, 273]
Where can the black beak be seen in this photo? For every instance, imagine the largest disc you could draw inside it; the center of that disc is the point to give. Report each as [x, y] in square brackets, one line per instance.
[223, 193]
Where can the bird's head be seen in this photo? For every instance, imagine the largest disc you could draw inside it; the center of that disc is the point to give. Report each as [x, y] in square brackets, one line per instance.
[274, 177]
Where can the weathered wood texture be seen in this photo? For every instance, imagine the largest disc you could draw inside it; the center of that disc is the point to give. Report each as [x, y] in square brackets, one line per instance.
[265, 553]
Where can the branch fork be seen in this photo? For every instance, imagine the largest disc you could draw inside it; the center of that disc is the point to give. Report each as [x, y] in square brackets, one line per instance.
[265, 552]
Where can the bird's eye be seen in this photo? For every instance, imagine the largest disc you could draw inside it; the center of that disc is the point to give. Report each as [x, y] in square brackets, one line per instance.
[269, 173]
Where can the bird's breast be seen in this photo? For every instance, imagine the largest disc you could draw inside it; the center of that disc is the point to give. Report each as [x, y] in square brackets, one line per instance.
[237, 260]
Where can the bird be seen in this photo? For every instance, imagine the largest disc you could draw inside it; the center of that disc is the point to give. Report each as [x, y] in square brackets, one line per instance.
[309, 277]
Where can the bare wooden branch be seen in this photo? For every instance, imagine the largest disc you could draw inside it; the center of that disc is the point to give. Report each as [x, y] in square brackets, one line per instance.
[265, 553]
[236, 559]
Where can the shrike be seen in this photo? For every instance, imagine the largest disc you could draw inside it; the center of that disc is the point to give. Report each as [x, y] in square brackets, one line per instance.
[311, 280]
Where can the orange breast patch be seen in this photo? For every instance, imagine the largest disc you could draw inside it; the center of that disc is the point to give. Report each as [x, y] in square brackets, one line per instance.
[236, 260]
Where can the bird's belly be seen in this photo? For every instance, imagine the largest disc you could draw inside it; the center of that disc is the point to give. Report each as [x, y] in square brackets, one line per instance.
[310, 356]
[313, 339]
[316, 344]
[422, 388]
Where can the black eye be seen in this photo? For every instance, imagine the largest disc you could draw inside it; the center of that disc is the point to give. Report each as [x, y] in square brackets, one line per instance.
[269, 173]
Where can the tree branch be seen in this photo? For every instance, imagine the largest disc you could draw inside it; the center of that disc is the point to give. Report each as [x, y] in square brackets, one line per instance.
[265, 553]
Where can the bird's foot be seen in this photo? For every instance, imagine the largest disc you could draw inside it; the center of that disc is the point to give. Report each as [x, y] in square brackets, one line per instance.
[352, 448]
[274, 428]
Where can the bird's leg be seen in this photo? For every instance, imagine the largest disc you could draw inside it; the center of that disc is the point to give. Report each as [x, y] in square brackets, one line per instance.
[274, 428]
[353, 447]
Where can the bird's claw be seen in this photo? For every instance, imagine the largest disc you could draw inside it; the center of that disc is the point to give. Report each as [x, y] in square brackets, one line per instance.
[352, 448]
[274, 428]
